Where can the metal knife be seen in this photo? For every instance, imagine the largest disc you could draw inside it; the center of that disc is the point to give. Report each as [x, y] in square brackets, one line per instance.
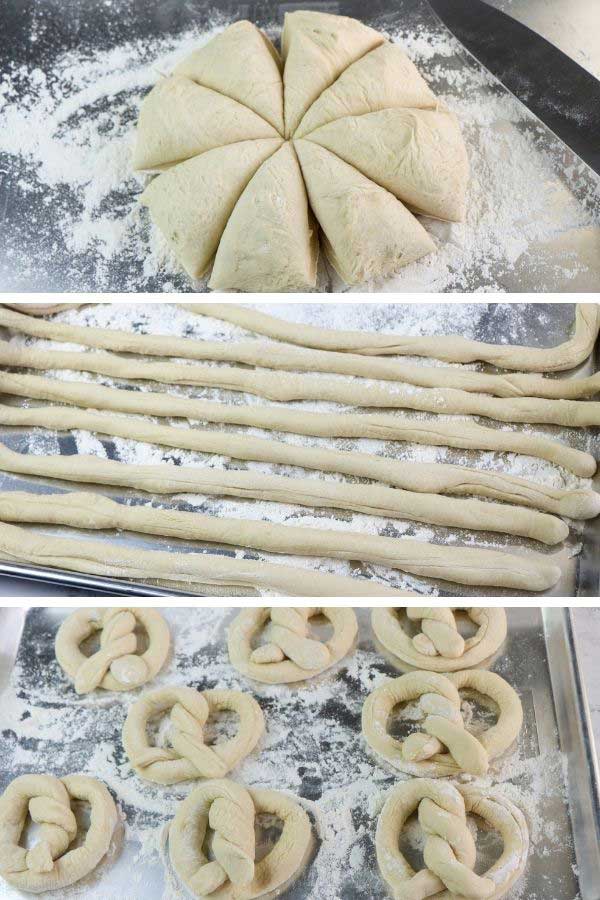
[560, 92]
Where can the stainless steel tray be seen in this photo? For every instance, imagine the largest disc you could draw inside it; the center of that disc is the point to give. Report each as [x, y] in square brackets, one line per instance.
[534, 324]
[313, 748]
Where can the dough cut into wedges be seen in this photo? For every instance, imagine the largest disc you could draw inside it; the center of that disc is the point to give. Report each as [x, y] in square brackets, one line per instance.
[417, 154]
[242, 64]
[180, 118]
[367, 232]
[269, 243]
[317, 47]
[385, 78]
[191, 202]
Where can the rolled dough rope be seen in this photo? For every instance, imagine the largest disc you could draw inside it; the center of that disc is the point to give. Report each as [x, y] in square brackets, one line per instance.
[369, 499]
[263, 354]
[451, 348]
[192, 569]
[287, 386]
[357, 425]
[464, 565]
[41, 309]
[462, 481]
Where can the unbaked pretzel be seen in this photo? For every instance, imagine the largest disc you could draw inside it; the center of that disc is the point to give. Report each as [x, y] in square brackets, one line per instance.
[291, 654]
[115, 666]
[445, 747]
[50, 865]
[439, 647]
[189, 757]
[230, 809]
[449, 850]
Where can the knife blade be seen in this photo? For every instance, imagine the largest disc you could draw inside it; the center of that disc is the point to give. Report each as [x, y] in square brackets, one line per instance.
[556, 89]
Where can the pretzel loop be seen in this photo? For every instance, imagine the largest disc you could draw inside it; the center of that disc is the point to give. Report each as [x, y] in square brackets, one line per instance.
[449, 851]
[116, 665]
[50, 864]
[188, 756]
[444, 746]
[230, 811]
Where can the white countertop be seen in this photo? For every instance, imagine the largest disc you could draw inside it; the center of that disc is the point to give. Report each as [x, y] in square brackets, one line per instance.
[587, 627]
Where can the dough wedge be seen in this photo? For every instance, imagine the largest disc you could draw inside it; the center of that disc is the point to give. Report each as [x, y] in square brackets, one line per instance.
[367, 232]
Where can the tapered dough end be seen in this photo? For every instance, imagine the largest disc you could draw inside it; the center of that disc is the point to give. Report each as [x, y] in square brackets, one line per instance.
[580, 505]
[417, 154]
[241, 63]
[269, 243]
[191, 202]
[180, 119]
[385, 78]
[317, 47]
[368, 233]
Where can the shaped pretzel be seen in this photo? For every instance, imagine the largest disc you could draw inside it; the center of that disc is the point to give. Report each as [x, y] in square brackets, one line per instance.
[189, 757]
[449, 850]
[439, 647]
[50, 865]
[230, 809]
[445, 747]
[291, 654]
[116, 666]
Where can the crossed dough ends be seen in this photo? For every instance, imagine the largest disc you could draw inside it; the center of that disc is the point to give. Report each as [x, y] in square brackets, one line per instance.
[445, 747]
[116, 665]
[50, 865]
[439, 647]
[229, 809]
[290, 654]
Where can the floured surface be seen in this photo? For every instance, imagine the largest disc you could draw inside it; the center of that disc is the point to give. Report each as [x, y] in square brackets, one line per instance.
[312, 748]
[71, 217]
[535, 324]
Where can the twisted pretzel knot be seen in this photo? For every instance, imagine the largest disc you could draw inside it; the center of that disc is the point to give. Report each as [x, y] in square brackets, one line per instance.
[449, 851]
[439, 647]
[116, 665]
[444, 747]
[439, 633]
[289, 640]
[47, 800]
[290, 654]
[230, 810]
[188, 756]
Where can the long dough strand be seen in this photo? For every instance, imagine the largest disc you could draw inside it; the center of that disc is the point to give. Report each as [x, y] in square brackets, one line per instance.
[240, 446]
[450, 348]
[268, 355]
[382, 427]
[425, 478]
[193, 570]
[464, 565]
[286, 387]
[369, 499]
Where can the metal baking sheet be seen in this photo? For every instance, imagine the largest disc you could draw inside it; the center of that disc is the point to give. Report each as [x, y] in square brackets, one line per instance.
[313, 749]
[532, 324]
[39, 256]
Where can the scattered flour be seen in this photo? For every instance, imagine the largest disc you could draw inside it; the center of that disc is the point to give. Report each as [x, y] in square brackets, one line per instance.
[66, 134]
